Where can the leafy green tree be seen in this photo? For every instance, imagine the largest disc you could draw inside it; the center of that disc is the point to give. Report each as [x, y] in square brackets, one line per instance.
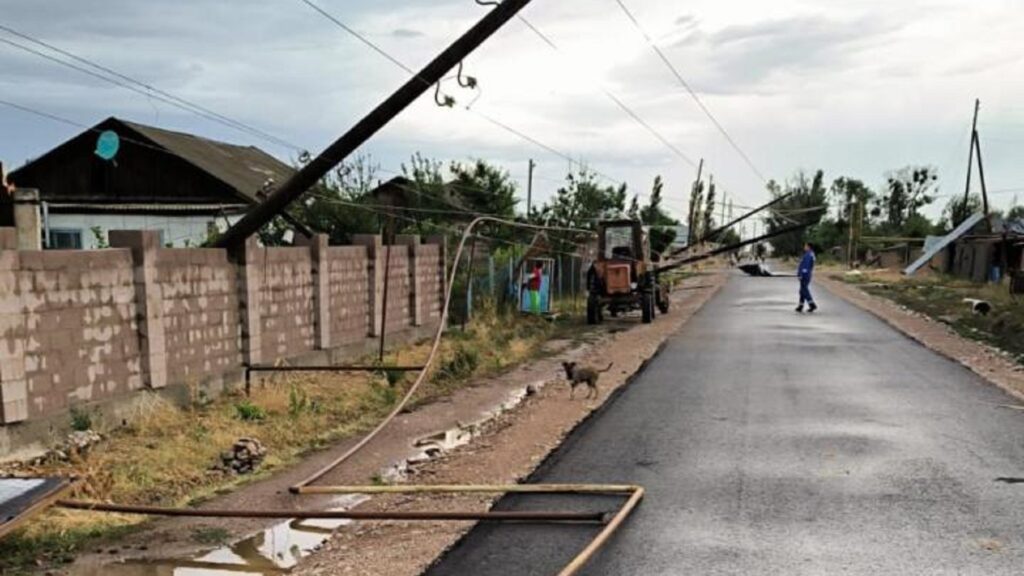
[956, 211]
[907, 190]
[332, 206]
[582, 201]
[696, 215]
[662, 231]
[634, 208]
[807, 203]
[484, 188]
[708, 222]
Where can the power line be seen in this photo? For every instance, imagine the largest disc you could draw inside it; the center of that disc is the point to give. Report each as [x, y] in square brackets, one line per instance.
[518, 133]
[129, 83]
[618, 101]
[693, 94]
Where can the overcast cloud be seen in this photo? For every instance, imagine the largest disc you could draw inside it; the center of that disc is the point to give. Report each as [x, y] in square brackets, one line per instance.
[855, 88]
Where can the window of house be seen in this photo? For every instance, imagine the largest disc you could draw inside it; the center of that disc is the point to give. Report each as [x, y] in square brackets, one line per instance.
[65, 239]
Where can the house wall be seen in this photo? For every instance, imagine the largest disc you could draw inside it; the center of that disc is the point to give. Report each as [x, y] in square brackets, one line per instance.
[178, 231]
[95, 325]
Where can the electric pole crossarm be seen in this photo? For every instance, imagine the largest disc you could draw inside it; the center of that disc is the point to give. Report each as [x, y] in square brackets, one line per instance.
[415, 87]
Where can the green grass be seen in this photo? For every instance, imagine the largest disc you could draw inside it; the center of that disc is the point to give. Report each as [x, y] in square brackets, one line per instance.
[941, 298]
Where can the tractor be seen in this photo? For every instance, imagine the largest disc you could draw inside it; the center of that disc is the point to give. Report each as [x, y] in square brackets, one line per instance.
[623, 276]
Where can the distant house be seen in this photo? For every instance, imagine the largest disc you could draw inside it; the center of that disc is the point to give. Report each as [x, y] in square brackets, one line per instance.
[182, 185]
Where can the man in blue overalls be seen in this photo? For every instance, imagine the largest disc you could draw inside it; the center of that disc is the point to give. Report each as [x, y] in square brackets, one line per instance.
[804, 273]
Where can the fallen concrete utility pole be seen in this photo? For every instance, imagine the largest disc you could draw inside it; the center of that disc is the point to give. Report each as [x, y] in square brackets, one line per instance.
[730, 248]
[316, 169]
[711, 235]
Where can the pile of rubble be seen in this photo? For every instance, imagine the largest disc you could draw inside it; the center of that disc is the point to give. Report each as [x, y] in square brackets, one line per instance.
[244, 456]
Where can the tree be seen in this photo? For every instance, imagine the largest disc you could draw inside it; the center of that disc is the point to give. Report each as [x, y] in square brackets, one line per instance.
[332, 206]
[634, 208]
[662, 231]
[583, 201]
[709, 210]
[696, 215]
[907, 190]
[484, 188]
[807, 203]
[956, 210]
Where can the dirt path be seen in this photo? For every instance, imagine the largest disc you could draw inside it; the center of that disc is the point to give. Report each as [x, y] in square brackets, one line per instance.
[505, 448]
[986, 361]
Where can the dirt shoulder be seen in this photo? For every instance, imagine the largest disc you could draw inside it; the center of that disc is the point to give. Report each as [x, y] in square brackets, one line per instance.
[507, 451]
[988, 362]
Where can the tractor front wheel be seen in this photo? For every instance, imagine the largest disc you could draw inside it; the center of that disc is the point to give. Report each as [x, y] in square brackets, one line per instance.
[647, 307]
[593, 310]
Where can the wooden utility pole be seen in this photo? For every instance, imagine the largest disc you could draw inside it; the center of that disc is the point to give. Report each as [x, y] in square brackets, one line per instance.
[529, 191]
[385, 112]
[975, 149]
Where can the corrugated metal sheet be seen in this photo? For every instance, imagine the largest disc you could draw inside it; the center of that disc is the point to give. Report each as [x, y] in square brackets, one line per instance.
[964, 227]
[20, 498]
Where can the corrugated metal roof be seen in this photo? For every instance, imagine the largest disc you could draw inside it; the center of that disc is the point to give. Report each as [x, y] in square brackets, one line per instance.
[93, 207]
[244, 168]
[21, 498]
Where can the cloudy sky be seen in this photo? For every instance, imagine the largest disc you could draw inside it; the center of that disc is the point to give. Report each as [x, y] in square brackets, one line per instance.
[855, 88]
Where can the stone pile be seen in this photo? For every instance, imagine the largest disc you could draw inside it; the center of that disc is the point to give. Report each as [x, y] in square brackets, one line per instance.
[244, 456]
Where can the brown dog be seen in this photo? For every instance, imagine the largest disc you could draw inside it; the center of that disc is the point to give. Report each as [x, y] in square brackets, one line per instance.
[577, 375]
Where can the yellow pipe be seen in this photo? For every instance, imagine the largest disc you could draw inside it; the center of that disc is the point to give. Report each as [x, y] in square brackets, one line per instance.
[457, 489]
[636, 493]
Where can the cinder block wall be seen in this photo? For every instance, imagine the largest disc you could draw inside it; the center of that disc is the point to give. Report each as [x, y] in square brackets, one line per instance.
[349, 307]
[287, 312]
[199, 298]
[80, 340]
[89, 326]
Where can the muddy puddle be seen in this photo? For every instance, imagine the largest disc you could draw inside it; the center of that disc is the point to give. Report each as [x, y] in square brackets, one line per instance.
[275, 550]
[434, 445]
[279, 548]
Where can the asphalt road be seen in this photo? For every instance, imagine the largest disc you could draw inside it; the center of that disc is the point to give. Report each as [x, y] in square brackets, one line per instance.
[777, 443]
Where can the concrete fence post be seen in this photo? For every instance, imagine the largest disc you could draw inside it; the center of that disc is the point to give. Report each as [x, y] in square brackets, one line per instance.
[27, 220]
[249, 287]
[375, 278]
[148, 301]
[415, 280]
[321, 292]
[13, 332]
[442, 268]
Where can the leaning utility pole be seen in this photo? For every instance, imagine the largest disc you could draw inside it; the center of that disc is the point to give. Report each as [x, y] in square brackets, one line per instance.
[529, 190]
[386, 111]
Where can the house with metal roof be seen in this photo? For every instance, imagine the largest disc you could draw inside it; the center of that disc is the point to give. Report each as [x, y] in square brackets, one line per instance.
[121, 175]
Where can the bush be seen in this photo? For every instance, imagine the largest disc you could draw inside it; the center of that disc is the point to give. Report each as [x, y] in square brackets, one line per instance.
[81, 419]
[461, 364]
[246, 411]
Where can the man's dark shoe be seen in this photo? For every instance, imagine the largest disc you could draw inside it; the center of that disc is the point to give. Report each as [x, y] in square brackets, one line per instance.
[800, 308]
[813, 307]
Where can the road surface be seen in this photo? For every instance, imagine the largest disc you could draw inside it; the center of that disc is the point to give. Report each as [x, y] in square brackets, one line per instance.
[777, 443]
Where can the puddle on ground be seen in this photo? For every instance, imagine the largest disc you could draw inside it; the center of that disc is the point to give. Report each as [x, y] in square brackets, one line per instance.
[272, 551]
[434, 445]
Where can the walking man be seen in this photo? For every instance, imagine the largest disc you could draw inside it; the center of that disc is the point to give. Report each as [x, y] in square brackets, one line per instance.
[804, 274]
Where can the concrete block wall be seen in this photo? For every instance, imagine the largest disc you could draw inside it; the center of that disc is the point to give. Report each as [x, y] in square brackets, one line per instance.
[399, 289]
[93, 325]
[80, 340]
[286, 305]
[349, 309]
[199, 298]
